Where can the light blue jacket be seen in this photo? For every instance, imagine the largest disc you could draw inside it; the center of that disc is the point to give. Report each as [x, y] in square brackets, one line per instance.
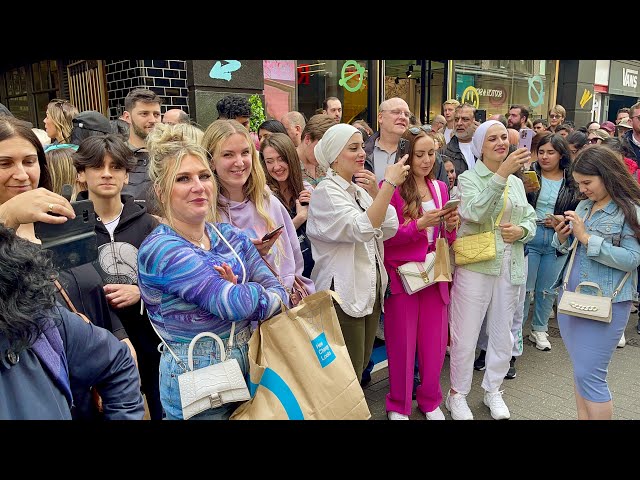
[481, 192]
[613, 250]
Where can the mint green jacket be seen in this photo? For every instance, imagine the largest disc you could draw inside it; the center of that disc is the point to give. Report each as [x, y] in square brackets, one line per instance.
[481, 192]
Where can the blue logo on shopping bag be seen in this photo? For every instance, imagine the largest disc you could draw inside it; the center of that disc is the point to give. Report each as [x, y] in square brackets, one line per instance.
[323, 350]
[276, 385]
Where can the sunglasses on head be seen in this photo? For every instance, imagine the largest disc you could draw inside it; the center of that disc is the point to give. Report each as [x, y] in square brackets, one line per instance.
[416, 130]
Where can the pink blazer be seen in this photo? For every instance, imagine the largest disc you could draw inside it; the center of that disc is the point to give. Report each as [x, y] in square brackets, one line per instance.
[411, 245]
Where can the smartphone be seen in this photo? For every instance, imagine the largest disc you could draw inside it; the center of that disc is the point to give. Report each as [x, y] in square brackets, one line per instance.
[270, 234]
[525, 137]
[451, 204]
[533, 177]
[481, 116]
[74, 242]
[403, 149]
[553, 218]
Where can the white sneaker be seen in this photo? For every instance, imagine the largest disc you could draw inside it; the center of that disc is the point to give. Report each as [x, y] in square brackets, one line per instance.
[435, 415]
[494, 401]
[397, 416]
[622, 342]
[540, 339]
[457, 405]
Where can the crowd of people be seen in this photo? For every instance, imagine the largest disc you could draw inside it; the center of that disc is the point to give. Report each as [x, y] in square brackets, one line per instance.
[213, 230]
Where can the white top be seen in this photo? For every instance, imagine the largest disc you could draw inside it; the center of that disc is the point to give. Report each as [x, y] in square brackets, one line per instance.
[111, 226]
[465, 148]
[427, 206]
[344, 244]
[448, 132]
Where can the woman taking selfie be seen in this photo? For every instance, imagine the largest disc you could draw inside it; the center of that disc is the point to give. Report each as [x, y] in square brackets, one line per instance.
[490, 194]
[606, 232]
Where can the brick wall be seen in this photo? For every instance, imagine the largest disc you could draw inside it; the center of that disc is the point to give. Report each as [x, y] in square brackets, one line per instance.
[168, 78]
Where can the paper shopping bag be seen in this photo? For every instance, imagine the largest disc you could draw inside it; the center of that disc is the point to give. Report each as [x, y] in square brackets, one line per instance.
[300, 369]
[442, 268]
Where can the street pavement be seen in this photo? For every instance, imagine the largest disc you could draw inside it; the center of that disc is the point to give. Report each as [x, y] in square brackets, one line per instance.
[543, 387]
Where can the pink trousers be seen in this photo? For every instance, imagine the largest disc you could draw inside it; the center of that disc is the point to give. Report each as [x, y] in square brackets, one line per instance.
[410, 322]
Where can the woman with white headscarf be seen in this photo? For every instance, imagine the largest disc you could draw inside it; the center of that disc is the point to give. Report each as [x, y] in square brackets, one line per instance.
[346, 228]
[490, 287]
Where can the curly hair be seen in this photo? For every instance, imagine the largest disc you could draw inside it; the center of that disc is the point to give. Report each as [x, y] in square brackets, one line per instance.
[233, 106]
[26, 289]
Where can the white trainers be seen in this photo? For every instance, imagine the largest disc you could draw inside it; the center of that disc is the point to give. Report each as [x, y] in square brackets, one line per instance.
[622, 342]
[435, 415]
[494, 401]
[540, 339]
[457, 405]
[397, 416]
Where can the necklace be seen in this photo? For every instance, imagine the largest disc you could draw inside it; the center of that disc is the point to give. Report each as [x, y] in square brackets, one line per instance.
[199, 241]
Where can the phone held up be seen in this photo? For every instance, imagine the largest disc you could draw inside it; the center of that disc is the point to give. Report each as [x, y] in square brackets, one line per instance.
[525, 136]
[270, 235]
[481, 116]
[74, 242]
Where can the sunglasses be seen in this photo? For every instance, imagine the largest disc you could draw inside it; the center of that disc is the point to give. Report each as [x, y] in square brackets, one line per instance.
[555, 116]
[595, 140]
[416, 130]
[57, 146]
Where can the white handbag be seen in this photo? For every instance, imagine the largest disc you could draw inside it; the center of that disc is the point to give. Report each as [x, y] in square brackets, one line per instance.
[592, 307]
[418, 275]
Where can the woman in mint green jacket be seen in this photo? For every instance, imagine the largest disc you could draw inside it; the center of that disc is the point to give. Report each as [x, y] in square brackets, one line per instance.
[489, 193]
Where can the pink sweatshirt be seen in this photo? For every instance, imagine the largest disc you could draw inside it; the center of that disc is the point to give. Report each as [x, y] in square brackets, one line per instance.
[411, 245]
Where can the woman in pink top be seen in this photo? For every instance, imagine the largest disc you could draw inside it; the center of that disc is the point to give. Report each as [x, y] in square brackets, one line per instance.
[418, 320]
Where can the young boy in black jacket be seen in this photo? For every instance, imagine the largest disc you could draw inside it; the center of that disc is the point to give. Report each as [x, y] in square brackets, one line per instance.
[103, 162]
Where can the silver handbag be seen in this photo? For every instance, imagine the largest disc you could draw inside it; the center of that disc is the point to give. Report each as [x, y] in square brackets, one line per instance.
[592, 307]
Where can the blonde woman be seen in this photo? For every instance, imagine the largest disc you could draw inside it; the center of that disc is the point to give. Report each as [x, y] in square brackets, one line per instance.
[62, 171]
[58, 120]
[245, 202]
[198, 276]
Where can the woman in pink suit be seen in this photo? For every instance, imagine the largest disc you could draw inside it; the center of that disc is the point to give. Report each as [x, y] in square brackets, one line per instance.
[418, 320]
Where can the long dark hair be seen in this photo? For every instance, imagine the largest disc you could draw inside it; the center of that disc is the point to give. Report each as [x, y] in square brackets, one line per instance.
[409, 189]
[560, 145]
[284, 146]
[13, 127]
[26, 289]
[624, 190]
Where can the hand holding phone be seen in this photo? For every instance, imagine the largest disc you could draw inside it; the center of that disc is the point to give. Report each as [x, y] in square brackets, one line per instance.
[272, 233]
[532, 178]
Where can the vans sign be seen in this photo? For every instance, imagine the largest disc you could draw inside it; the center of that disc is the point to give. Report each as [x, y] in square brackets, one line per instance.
[623, 78]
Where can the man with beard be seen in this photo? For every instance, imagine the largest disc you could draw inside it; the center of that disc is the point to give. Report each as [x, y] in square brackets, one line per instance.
[141, 112]
[459, 148]
[518, 116]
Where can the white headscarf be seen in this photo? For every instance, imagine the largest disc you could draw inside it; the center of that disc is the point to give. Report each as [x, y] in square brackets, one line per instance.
[332, 143]
[478, 137]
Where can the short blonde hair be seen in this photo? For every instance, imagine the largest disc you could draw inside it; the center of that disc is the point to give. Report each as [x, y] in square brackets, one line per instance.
[167, 147]
[558, 109]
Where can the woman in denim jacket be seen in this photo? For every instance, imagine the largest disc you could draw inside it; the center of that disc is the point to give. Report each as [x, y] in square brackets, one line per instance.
[490, 287]
[607, 229]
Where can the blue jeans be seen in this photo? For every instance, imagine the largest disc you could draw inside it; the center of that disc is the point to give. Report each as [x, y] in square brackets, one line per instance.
[544, 268]
[206, 352]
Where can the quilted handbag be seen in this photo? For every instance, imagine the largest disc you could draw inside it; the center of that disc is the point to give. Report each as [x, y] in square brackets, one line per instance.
[418, 275]
[479, 247]
[591, 307]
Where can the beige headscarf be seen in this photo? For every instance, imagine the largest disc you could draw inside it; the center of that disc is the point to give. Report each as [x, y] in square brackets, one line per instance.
[332, 143]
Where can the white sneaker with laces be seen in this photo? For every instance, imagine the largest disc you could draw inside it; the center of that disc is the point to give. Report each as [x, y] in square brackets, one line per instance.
[397, 416]
[494, 401]
[435, 414]
[540, 339]
[622, 342]
[457, 405]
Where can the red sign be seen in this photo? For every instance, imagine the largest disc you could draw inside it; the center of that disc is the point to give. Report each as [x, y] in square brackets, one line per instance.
[303, 74]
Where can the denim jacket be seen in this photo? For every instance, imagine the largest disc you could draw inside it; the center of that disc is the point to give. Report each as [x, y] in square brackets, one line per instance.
[482, 192]
[613, 250]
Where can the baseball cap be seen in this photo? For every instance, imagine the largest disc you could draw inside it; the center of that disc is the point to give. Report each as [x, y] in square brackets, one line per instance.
[610, 127]
[92, 120]
[625, 123]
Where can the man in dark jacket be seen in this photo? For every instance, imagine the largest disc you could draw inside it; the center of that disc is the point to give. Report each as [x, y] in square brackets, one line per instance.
[104, 163]
[633, 135]
[141, 112]
[459, 148]
[46, 352]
